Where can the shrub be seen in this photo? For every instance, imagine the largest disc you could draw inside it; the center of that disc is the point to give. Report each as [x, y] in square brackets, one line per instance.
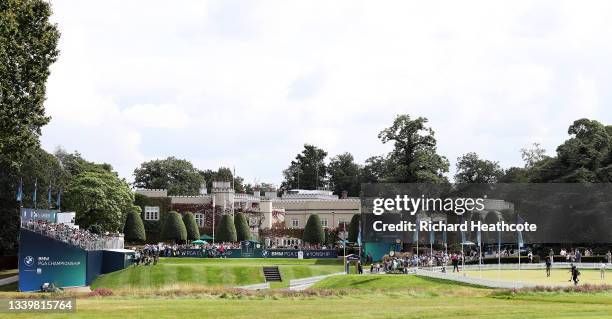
[193, 232]
[134, 230]
[174, 228]
[243, 232]
[227, 230]
[313, 232]
[353, 230]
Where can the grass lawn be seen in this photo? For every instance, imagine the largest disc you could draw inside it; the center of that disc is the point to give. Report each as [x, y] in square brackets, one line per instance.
[376, 296]
[558, 276]
[177, 272]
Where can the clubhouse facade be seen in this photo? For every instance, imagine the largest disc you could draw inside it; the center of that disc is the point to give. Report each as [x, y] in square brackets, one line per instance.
[274, 220]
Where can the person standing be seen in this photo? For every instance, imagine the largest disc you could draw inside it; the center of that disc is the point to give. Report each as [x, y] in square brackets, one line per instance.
[575, 274]
[602, 271]
[548, 266]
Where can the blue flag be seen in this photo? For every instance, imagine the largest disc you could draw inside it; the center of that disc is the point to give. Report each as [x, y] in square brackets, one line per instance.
[432, 236]
[20, 191]
[34, 195]
[519, 220]
[478, 237]
[462, 232]
[49, 196]
[359, 235]
[58, 200]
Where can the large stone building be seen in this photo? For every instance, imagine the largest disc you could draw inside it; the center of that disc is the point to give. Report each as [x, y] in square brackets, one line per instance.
[264, 209]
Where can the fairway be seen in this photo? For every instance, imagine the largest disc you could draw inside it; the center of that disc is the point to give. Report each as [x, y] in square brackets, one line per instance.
[558, 277]
[183, 272]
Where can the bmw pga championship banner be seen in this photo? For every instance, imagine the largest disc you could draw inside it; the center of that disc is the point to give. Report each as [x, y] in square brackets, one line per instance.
[42, 260]
[35, 214]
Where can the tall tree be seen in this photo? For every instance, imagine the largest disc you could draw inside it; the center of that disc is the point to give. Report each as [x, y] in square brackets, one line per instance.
[313, 231]
[193, 232]
[307, 171]
[243, 232]
[134, 230]
[174, 228]
[226, 230]
[100, 200]
[472, 169]
[374, 169]
[414, 158]
[353, 229]
[344, 174]
[178, 176]
[28, 46]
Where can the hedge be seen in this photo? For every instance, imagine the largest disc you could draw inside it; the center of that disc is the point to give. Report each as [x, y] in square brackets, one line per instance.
[243, 232]
[313, 232]
[226, 230]
[193, 232]
[174, 228]
[133, 229]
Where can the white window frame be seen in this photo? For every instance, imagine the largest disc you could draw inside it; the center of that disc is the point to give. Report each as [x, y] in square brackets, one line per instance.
[295, 223]
[324, 222]
[200, 219]
[151, 213]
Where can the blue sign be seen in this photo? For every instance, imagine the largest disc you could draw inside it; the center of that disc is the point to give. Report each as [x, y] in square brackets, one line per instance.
[34, 214]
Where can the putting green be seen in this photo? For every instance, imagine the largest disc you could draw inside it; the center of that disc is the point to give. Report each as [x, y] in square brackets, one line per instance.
[558, 277]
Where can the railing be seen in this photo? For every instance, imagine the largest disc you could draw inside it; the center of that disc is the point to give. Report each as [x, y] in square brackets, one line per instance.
[84, 239]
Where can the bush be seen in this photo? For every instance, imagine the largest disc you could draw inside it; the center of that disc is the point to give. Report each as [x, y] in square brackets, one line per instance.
[243, 232]
[227, 230]
[193, 232]
[174, 228]
[134, 230]
[313, 232]
[353, 230]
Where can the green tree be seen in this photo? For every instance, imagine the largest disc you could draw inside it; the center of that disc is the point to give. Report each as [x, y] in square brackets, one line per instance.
[307, 171]
[313, 232]
[226, 230]
[28, 46]
[100, 200]
[414, 158]
[223, 174]
[174, 229]
[353, 229]
[193, 232]
[374, 170]
[471, 169]
[178, 176]
[344, 174]
[134, 230]
[243, 232]
[74, 164]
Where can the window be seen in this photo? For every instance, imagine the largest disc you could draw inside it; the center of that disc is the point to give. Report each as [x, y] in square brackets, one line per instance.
[151, 213]
[199, 220]
[323, 222]
[295, 223]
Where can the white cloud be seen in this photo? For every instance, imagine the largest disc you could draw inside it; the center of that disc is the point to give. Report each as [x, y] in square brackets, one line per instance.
[246, 84]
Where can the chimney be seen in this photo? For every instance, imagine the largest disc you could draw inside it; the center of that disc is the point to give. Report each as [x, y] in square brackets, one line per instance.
[344, 195]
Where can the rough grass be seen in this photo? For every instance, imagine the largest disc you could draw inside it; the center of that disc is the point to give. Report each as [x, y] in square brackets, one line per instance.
[559, 277]
[375, 296]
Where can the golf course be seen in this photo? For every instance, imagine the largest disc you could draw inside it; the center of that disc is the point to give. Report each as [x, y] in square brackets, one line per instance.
[202, 288]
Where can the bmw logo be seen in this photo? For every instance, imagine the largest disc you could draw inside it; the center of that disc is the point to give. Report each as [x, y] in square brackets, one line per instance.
[28, 261]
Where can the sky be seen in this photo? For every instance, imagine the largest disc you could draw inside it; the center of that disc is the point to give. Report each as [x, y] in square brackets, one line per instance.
[246, 84]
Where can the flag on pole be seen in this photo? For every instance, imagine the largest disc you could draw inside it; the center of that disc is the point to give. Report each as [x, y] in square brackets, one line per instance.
[34, 195]
[359, 235]
[432, 236]
[58, 200]
[478, 237]
[519, 220]
[462, 232]
[20, 191]
[49, 196]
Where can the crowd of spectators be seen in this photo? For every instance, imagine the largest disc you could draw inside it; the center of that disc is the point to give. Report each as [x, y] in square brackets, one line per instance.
[74, 236]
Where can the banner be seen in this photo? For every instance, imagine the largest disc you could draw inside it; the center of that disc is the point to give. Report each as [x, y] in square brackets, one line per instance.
[43, 260]
[34, 214]
[257, 253]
